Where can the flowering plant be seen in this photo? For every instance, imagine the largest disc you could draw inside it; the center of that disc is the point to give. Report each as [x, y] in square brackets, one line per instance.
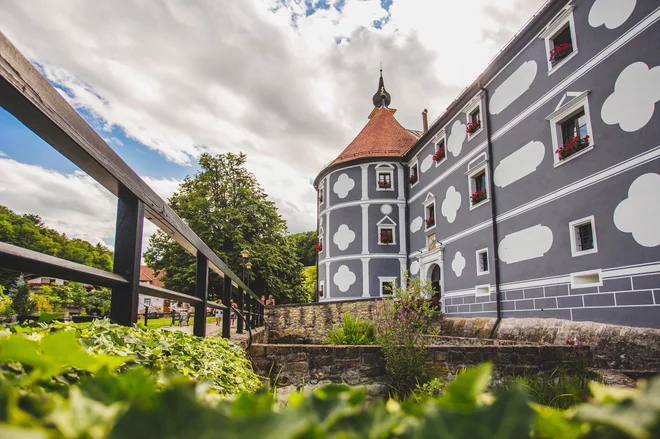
[478, 196]
[383, 184]
[574, 145]
[473, 126]
[404, 321]
[386, 237]
[430, 221]
[412, 179]
[318, 247]
[560, 52]
[439, 154]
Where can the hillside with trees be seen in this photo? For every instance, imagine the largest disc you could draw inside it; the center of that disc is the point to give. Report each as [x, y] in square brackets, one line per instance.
[29, 231]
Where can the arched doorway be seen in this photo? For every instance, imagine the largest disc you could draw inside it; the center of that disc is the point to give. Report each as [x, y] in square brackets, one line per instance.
[435, 278]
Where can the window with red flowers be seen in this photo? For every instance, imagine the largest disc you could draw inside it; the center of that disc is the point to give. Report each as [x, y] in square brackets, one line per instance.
[559, 37]
[478, 181]
[321, 194]
[413, 175]
[571, 128]
[385, 178]
[386, 235]
[562, 45]
[440, 151]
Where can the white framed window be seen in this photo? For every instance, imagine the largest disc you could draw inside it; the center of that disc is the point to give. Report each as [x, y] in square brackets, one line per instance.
[483, 263]
[583, 236]
[429, 211]
[482, 290]
[387, 284]
[384, 178]
[319, 245]
[413, 173]
[321, 186]
[321, 291]
[440, 146]
[560, 40]
[147, 301]
[473, 116]
[570, 128]
[386, 235]
[585, 279]
[478, 181]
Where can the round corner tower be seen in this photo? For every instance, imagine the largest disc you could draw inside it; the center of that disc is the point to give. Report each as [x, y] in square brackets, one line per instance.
[362, 208]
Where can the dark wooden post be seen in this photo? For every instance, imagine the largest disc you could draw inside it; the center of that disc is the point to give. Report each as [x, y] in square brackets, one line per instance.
[201, 292]
[226, 314]
[239, 320]
[128, 252]
[253, 312]
[248, 306]
[262, 311]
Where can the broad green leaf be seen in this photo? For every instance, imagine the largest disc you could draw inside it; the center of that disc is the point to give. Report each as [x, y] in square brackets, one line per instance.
[553, 423]
[20, 349]
[8, 431]
[464, 392]
[82, 417]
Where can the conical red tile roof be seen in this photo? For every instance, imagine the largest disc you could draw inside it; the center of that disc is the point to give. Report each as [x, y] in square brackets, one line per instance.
[383, 136]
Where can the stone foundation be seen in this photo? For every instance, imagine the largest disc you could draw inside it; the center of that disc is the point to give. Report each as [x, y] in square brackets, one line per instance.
[613, 347]
[301, 365]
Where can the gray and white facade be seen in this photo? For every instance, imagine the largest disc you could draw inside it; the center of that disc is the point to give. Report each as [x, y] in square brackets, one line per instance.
[572, 236]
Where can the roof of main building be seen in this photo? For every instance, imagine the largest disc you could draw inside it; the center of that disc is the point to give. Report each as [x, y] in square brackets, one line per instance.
[383, 136]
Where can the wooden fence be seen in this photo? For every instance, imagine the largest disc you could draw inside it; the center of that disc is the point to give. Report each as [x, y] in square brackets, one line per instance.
[26, 94]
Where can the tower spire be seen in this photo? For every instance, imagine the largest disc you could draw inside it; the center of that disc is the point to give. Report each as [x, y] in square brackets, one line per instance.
[381, 98]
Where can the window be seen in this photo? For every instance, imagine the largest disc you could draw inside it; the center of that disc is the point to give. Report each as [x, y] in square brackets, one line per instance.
[385, 178]
[147, 302]
[440, 149]
[586, 279]
[570, 126]
[413, 174]
[482, 290]
[321, 286]
[429, 211]
[560, 41]
[321, 193]
[478, 181]
[482, 262]
[473, 113]
[386, 285]
[386, 235]
[583, 236]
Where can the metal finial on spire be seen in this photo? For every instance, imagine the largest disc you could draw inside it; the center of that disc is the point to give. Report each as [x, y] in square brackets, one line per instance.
[381, 98]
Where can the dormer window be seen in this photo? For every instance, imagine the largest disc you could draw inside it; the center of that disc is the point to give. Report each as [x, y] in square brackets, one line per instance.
[385, 178]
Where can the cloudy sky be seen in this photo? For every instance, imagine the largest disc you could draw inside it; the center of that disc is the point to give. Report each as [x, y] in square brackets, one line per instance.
[288, 82]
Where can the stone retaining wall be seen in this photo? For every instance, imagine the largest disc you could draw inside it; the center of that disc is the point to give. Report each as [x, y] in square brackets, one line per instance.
[312, 365]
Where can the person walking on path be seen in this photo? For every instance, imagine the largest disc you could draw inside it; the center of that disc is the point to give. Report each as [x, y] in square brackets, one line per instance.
[218, 314]
[270, 301]
[234, 306]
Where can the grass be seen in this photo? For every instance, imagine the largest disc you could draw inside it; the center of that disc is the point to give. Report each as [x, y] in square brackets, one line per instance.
[158, 323]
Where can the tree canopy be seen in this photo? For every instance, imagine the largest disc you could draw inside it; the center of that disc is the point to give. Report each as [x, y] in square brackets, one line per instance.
[28, 231]
[225, 205]
[305, 250]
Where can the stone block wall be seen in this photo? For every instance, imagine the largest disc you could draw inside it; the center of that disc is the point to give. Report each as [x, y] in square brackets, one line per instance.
[312, 365]
[309, 323]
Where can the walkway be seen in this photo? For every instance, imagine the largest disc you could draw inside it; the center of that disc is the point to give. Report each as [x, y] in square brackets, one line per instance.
[211, 329]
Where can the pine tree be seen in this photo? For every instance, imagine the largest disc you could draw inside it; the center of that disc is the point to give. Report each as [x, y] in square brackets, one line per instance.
[21, 297]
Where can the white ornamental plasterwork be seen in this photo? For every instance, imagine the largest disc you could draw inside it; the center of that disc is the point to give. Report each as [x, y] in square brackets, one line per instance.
[343, 186]
[344, 278]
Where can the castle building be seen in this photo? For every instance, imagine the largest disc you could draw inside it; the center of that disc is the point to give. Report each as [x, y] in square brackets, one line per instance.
[535, 194]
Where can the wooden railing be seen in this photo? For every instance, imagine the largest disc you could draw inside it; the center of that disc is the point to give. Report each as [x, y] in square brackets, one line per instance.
[26, 94]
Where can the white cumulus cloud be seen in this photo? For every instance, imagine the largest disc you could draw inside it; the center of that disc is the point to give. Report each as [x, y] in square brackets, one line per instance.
[343, 237]
[451, 204]
[632, 104]
[344, 278]
[458, 264]
[343, 186]
[456, 138]
[639, 213]
[611, 13]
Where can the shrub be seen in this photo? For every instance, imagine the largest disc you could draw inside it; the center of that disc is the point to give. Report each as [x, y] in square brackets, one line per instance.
[129, 405]
[403, 322]
[22, 303]
[352, 331]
